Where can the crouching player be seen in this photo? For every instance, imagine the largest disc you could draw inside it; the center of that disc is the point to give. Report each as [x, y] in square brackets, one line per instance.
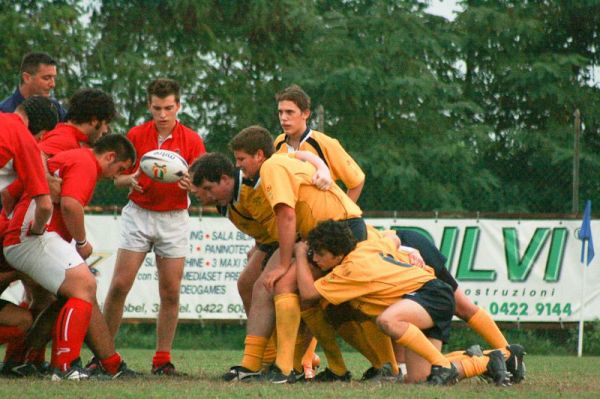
[410, 305]
[48, 257]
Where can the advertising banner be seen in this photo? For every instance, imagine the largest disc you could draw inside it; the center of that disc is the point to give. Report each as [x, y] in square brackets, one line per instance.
[518, 270]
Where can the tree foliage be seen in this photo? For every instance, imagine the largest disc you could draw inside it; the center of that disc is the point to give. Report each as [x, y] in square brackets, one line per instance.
[474, 114]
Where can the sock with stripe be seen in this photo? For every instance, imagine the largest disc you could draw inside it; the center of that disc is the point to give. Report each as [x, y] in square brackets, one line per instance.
[69, 332]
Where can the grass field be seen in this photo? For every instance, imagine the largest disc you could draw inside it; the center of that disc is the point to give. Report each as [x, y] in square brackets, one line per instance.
[548, 377]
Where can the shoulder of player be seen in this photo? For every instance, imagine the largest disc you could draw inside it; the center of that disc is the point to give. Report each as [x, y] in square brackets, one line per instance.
[75, 155]
[144, 128]
[188, 131]
[281, 161]
[279, 139]
[322, 137]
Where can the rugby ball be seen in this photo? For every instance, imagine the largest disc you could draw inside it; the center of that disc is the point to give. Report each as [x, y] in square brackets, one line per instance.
[163, 166]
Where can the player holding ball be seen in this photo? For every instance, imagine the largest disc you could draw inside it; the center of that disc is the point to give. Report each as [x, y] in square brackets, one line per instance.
[155, 218]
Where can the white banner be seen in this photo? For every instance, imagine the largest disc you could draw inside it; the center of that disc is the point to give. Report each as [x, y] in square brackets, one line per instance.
[519, 270]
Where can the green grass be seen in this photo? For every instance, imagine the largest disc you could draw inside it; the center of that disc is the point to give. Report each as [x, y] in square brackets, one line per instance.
[548, 377]
[231, 336]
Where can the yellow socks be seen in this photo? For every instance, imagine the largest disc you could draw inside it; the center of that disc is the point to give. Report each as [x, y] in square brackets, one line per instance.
[352, 333]
[325, 334]
[487, 328]
[270, 350]
[253, 352]
[287, 319]
[473, 366]
[416, 341]
[381, 344]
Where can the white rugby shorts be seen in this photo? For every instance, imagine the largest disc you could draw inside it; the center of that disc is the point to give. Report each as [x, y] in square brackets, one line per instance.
[44, 258]
[166, 233]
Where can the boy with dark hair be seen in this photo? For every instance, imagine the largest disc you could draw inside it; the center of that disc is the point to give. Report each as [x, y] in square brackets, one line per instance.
[410, 305]
[88, 119]
[49, 259]
[286, 203]
[155, 218]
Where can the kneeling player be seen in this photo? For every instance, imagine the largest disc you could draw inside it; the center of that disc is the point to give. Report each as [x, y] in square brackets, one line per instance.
[409, 303]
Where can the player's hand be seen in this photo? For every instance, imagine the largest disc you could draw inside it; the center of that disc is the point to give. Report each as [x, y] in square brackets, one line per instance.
[185, 183]
[300, 249]
[134, 181]
[55, 184]
[273, 276]
[85, 250]
[322, 179]
[416, 259]
[251, 252]
[8, 201]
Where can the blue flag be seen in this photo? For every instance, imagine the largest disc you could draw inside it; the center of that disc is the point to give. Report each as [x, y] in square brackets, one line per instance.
[585, 233]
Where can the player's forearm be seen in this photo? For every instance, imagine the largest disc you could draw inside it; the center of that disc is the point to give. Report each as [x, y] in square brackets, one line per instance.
[43, 212]
[286, 227]
[354, 193]
[73, 217]
[304, 276]
[124, 180]
[310, 158]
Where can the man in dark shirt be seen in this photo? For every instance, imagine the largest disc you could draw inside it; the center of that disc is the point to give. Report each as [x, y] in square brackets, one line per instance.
[38, 77]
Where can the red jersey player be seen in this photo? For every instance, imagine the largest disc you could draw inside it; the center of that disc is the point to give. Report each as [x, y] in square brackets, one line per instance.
[50, 260]
[155, 219]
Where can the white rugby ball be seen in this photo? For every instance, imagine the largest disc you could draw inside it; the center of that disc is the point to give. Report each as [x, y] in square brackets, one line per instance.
[163, 165]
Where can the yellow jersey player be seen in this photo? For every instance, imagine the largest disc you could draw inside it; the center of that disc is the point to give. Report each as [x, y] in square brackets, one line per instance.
[410, 305]
[296, 205]
[293, 107]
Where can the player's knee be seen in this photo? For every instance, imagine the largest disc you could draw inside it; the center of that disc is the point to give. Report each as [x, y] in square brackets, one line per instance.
[83, 287]
[258, 289]
[120, 287]
[465, 309]
[391, 325]
[24, 320]
[89, 285]
[384, 323]
[169, 296]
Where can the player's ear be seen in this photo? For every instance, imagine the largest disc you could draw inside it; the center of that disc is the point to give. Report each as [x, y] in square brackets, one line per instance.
[26, 76]
[306, 114]
[260, 154]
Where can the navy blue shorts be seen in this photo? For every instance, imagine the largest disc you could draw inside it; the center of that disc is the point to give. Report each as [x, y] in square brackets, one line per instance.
[437, 298]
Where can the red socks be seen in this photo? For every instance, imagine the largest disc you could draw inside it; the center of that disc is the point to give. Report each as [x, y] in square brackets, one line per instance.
[36, 355]
[161, 358]
[9, 334]
[69, 332]
[111, 364]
